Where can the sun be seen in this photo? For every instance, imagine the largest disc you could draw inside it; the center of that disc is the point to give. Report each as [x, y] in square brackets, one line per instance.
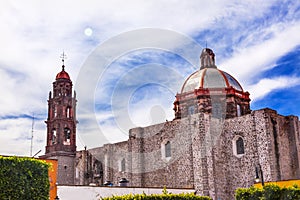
[88, 31]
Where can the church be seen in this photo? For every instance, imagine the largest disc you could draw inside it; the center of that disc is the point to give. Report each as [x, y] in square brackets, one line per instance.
[214, 144]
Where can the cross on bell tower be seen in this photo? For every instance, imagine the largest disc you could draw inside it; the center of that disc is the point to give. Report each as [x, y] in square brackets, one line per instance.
[61, 126]
[63, 57]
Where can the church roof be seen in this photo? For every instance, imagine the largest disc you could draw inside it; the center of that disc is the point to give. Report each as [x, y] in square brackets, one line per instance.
[63, 74]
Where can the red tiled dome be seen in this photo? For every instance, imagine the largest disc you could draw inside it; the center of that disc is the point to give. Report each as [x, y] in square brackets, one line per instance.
[62, 75]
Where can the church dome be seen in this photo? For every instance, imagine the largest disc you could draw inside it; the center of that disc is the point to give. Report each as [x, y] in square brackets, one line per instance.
[210, 78]
[63, 74]
[212, 91]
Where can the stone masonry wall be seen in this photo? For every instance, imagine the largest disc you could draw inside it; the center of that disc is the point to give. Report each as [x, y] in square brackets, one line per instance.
[80, 168]
[151, 166]
[258, 132]
[65, 171]
[285, 146]
[110, 156]
[231, 170]
[203, 153]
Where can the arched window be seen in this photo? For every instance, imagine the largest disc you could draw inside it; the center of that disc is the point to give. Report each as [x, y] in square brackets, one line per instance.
[55, 111]
[122, 165]
[98, 171]
[177, 107]
[166, 152]
[77, 172]
[240, 146]
[67, 136]
[53, 136]
[238, 110]
[168, 149]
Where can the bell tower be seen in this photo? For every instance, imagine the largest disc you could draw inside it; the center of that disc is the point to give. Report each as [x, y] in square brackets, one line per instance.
[61, 127]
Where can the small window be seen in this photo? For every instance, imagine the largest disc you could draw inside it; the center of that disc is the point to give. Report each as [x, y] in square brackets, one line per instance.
[191, 110]
[238, 110]
[240, 146]
[68, 112]
[168, 149]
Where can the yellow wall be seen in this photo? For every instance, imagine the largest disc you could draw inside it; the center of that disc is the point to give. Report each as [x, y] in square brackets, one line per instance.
[52, 177]
[280, 183]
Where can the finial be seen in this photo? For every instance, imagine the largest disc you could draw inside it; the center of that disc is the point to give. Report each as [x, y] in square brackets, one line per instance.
[206, 44]
[63, 57]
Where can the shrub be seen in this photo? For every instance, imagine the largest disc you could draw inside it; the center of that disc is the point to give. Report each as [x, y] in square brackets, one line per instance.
[268, 192]
[290, 193]
[249, 193]
[23, 178]
[164, 196]
[272, 192]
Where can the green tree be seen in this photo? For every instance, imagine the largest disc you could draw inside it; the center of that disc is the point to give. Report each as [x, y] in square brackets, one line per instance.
[23, 178]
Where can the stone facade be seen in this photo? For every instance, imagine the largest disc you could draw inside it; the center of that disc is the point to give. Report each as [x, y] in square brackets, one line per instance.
[203, 155]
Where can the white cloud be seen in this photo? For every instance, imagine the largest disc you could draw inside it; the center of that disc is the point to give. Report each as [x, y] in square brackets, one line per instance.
[34, 33]
[266, 85]
[15, 136]
[248, 61]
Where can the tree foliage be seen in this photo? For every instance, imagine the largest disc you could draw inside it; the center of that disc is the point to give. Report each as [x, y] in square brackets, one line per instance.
[23, 178]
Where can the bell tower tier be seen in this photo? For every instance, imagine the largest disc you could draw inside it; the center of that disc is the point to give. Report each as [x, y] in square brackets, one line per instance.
[61, 127]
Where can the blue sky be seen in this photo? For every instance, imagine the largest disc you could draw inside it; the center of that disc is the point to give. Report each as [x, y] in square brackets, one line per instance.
[257, 42]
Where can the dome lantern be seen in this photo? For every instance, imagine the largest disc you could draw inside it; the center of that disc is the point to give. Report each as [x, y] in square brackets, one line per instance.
[207, 59]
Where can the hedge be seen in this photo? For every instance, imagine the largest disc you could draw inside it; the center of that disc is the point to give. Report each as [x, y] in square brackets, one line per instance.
[23, 178]
[268, 192]
[164, 196]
